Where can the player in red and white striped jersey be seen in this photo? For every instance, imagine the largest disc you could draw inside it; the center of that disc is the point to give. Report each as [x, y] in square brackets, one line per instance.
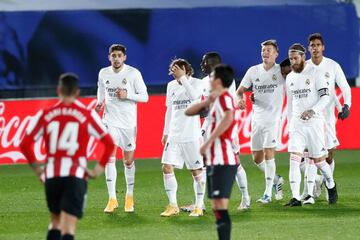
[66, 129]
[221, 161]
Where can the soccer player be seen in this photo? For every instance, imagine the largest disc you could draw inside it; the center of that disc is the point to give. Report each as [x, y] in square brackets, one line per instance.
[222, 163]
[181, 137]
[66, 128]
[268, 87]
[307, 95]
[333, 74]
[120, 88]
[209, 61]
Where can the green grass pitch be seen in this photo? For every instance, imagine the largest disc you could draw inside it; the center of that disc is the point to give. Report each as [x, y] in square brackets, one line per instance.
[23, 212]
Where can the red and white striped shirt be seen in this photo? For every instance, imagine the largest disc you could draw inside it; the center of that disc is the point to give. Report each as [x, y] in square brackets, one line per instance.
[221, 151]
[66, 129]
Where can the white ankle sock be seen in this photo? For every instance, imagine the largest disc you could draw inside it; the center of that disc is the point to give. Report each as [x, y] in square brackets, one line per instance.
[295, 175]
[110, 176]
[171, 185]
[241, 180]
[129, 172]
[270, 169]
[325, 170]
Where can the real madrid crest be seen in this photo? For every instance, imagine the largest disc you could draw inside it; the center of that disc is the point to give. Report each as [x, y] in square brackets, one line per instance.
[124, 81]
[307, 82]
[327, 75]
[274, 77]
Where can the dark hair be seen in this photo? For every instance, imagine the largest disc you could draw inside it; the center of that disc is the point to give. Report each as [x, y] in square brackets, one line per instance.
[182, 63]
[270, 42]
[213, 55]
[225, 73]
[117, 47]
[314, 36]
[69, 84]
[297, 47]
[285, 63]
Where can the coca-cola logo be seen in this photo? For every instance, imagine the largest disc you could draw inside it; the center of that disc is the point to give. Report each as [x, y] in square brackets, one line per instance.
[12, 131]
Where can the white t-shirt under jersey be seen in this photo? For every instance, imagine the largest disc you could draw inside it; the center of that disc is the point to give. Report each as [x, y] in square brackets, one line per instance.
[178, 126]
[333, 74]
[303, 94]
[268, 89]
[121, 113]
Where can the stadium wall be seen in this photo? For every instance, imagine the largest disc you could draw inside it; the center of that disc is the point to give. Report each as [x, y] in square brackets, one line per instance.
[16, 114]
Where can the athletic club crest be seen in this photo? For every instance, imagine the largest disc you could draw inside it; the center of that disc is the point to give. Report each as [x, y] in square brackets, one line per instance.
[124, 81]
[307, 82]
[274, 77]
[327, 75]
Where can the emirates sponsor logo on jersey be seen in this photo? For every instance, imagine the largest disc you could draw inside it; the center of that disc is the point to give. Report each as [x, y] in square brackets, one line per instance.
[181, 104]
[301, 93]
[266, 88]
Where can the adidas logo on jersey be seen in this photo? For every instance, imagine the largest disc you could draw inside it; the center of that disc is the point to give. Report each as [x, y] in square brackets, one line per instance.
[129, 145]
[107, 82]
[323, 149]
[291, 84]
[273, 141]
[257, 80]
[197, 162]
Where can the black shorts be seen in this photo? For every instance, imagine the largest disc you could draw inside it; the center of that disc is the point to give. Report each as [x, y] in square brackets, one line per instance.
[66, 194]
[220, 180]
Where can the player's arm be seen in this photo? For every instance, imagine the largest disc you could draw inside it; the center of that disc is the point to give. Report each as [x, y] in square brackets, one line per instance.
[100, 94]
[96, 129]
[168, 114]
[33, 133]
[289, 104]
[341, 81]
[245, 85]
[141, 94]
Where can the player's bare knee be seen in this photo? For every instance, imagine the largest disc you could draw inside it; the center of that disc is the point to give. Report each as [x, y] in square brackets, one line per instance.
[258, 157]
[167, 169]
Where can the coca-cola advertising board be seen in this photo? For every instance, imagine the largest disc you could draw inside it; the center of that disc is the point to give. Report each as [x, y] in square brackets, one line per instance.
[16, 114]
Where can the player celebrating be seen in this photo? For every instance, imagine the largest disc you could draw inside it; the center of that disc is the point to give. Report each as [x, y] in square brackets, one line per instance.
[268, 87]
[222, 163]
[333, 74]
[181, 137]
[307, 95]
[66, 128]
[120, 87]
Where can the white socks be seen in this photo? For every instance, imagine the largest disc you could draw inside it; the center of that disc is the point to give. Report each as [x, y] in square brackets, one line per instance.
[110, 176]
[311, 175]
[332, 166]
[241, 180]
[199, 190]
[171, 186]
[325, 170]
[270, 170]
[261, 166]
[295, 175]
[129, 172]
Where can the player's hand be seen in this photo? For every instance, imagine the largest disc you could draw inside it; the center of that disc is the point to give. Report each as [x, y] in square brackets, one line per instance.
[164, 139]
[252, 97]
[178, 72]
[121, 93]
[241, 103]
[204, 148]
[307, 114]
[213, 96]
[96, 172]
[99, 107]
[345, 112]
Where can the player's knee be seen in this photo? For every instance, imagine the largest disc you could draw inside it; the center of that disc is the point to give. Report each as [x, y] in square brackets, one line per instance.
[269, 153]
[167, 169]
[128, 162]
[330, 157]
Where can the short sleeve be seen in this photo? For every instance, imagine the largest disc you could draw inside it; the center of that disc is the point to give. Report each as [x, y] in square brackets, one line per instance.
[226, 103]
[246, 82]
[35, 128]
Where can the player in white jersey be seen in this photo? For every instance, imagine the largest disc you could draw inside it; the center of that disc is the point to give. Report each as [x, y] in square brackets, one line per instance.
[181, 137]
[120, 87]
[307, 95]
[268, 87]
[333, 74]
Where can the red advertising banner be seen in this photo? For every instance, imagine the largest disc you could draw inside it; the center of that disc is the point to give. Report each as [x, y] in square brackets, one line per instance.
[15, 116]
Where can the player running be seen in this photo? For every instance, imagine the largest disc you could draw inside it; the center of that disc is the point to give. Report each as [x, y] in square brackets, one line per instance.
[66, 128]
[120, 88]
[268, 87]
[181, 137]
[307, 95]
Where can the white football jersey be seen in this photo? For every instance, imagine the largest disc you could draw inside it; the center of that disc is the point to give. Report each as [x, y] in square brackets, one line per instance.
[268, 89]
[207, 89]
[121, 113]
[303, 93]
[333, 74]
[182, 128]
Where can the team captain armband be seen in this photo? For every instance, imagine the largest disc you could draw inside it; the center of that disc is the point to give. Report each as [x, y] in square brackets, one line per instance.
[323, 92]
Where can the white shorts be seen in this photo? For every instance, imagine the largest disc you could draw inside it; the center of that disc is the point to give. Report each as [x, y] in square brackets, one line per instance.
[123, 138]
[331, 140]
[176, 154]
[310, 136]
[264, 135]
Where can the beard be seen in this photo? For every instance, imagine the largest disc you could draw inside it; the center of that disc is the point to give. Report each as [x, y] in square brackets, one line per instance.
[298, 67]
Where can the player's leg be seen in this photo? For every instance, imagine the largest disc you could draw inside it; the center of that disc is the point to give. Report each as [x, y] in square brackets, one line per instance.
[170, 159]
[111, 173]
[330, 159]
[270, 171]
[127, 141]
[199, 191]
[310, 182]
[68, 225]
[53, 192]
[54, 232]
[241, 180]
